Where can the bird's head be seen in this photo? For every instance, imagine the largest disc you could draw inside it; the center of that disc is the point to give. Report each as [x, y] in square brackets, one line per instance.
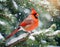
[33, 12]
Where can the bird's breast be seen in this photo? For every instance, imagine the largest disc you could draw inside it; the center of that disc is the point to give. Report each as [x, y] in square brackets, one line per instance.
[30, 23]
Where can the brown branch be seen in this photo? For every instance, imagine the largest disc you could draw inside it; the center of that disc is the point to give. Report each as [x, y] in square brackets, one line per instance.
[19, 41]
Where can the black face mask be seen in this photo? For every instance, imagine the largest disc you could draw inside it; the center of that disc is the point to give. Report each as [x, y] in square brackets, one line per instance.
[35, 16]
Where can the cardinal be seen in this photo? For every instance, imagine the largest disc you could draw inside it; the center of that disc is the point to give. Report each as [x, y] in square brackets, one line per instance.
[28, 24]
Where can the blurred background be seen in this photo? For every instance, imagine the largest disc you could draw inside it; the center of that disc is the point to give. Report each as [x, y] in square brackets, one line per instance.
[48, 32]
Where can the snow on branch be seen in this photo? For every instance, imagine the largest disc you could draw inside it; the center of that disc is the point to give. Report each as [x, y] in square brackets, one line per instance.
[48, 32]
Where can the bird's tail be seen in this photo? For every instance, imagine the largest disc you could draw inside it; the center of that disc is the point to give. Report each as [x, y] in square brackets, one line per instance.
[14, 32]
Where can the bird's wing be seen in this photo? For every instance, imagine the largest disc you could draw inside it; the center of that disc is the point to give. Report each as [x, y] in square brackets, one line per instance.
[26, 22]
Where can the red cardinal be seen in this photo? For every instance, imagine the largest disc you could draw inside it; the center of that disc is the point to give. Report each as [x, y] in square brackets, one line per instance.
[28, 24]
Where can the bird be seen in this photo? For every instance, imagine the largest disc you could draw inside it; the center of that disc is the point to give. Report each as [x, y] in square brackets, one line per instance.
[28, 24]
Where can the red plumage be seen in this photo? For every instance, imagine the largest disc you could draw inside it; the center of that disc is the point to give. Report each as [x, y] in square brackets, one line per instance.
[28, 24]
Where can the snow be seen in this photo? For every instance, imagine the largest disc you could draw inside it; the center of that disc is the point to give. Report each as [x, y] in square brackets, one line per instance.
[27, 11]
[43, 41]
[32, 38]
[52, 46]
[2, 0]
[15, 5]
[3, 23]
[1, 37]
[44, 2]
[13, 40]
[19, 13]
[36, 33]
